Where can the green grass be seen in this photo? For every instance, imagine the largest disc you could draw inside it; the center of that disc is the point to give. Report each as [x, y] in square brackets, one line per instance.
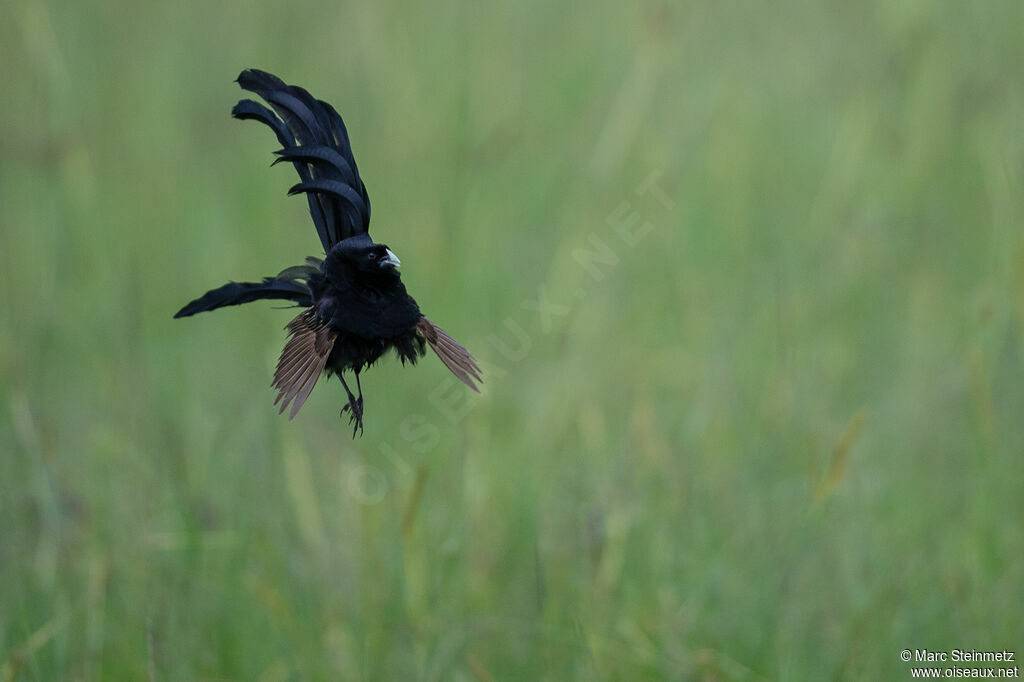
[779, 438]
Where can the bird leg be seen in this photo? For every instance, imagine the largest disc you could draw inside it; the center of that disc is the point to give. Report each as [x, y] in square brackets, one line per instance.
[359, 388]
[354, 404]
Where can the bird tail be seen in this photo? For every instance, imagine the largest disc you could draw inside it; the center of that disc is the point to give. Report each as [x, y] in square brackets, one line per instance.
[286, 285]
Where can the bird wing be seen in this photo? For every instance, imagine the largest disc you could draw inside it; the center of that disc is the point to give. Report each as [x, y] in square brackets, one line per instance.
[302, 360]
[451, 352]
[315, 141]
[290, 284]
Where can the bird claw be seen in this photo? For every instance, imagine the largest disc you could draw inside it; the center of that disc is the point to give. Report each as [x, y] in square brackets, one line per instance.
[356, 418]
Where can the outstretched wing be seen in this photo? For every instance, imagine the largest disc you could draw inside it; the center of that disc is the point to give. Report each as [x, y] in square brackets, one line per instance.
[290, 284]
[302, 360]
[315, 141]
[452, 353]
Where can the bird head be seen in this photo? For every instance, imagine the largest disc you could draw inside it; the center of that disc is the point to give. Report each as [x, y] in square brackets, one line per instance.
[360, 256]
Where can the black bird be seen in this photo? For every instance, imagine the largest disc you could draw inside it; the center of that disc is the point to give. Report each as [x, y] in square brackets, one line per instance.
[355, 306]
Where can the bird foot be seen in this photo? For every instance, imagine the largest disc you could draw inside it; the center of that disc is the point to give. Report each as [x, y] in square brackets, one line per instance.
[356, 418]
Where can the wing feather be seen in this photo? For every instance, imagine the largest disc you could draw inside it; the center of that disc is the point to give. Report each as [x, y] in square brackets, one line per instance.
[302, 361]
[452, 353]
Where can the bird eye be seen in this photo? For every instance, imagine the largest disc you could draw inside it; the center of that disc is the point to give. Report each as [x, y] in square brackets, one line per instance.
[371, 256]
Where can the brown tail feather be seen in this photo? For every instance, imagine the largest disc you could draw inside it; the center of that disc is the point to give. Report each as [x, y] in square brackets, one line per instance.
[452, 353]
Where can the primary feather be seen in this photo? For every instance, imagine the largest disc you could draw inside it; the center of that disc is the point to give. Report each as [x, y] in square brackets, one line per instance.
[302, 360]
[237, 293]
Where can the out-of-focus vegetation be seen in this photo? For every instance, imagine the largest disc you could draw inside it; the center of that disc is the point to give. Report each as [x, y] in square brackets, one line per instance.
[748, 280]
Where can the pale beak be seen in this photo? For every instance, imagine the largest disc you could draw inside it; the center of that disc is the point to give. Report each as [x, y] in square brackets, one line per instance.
[390, 259]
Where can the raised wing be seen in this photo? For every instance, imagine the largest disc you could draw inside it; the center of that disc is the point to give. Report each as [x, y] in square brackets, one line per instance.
[315, 141]
[302, 360]
[452, 353]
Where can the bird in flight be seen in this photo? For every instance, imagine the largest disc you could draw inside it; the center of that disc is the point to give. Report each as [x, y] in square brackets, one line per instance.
[355, 307]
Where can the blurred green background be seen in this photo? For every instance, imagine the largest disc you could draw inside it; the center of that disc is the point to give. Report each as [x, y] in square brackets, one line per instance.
[775, 433]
